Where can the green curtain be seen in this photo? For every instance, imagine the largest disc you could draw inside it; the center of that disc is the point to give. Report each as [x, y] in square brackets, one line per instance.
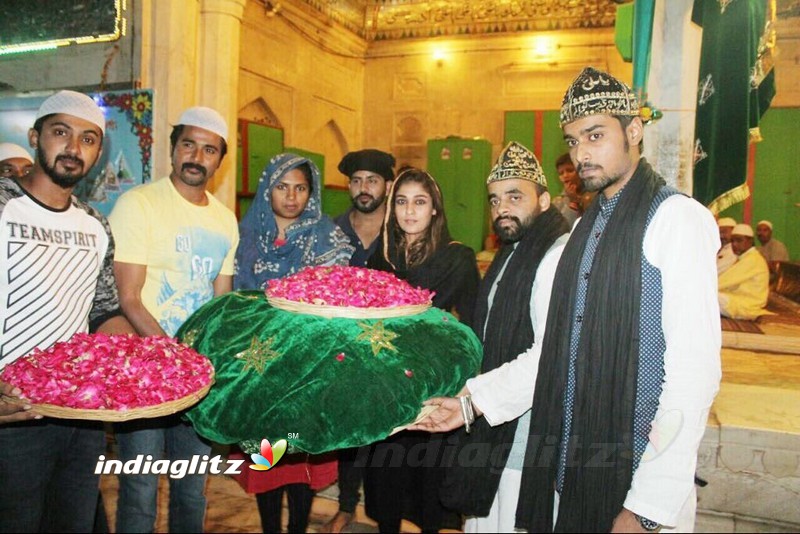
[643, 13]
[736, 85]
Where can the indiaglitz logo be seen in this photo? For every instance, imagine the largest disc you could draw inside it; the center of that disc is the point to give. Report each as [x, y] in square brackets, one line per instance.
[269, 455]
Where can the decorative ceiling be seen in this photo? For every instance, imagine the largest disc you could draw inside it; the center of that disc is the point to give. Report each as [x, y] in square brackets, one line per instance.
[377, 20]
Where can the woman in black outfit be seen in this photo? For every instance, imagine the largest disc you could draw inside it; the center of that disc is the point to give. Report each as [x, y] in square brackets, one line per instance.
[417, 248]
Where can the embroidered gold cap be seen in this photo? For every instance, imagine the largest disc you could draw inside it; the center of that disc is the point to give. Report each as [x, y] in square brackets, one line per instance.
[517, 163]
[597, 93]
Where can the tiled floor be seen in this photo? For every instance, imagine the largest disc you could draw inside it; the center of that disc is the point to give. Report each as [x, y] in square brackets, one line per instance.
[230, 509]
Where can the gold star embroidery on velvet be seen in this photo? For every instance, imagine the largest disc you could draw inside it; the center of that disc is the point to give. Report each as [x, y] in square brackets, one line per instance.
[378, 336]
[258, 354]
[190, 337]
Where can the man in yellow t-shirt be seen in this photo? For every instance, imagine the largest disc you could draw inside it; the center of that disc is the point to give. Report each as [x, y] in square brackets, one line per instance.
[744, 287]
[175, 245]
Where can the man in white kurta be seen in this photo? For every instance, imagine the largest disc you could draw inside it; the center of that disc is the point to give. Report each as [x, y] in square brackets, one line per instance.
[744, 288]
[679, 246]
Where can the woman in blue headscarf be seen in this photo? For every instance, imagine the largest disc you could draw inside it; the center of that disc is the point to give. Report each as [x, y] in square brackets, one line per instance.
[285, 230]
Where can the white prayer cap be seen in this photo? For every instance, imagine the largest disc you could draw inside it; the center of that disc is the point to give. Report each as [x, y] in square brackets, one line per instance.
[765, 223]
[75, 104]
[743, 229]
[205, 118]
[11, 151]
[726, 221]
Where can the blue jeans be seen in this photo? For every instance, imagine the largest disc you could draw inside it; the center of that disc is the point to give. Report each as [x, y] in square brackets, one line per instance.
[136, 508]
[47, 480]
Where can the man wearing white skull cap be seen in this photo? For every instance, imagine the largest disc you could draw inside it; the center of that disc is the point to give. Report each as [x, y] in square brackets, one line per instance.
[744, 288]
[771, 248]
[15, 161]
[56, 260]
[175, 252]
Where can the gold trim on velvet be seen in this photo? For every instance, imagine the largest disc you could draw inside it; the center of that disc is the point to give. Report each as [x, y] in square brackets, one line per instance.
[729, 198]
[765, 58]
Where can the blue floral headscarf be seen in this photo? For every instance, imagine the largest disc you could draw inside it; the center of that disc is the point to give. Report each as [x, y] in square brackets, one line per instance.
[311, 240]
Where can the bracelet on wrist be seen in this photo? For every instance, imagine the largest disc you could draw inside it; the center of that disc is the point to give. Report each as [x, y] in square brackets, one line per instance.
[467, 412]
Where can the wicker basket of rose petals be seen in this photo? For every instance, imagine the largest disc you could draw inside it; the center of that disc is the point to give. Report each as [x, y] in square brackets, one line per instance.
[350, 292]
[111, 377]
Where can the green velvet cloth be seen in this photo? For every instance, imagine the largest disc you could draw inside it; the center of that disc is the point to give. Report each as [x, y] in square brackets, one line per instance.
[322, 384]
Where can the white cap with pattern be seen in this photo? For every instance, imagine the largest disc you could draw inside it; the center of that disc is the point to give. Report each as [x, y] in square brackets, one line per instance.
[75, 104]
[11, 151]
[205, 118]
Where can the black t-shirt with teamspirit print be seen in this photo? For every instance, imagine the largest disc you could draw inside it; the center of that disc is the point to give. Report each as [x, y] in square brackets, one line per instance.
[56, 272]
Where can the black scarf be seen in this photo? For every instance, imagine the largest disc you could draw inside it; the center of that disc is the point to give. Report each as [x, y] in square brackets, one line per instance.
[508, 333]
[451, 272]
[599, 467]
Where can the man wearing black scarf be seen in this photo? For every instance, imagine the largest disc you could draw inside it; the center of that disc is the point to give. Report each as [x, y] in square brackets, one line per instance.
[509, 318]
[630, 361]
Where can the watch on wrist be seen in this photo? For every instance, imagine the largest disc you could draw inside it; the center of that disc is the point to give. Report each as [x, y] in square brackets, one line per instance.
[646, 524]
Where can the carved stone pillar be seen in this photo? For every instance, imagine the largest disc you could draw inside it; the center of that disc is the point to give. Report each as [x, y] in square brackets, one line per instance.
[218, 79]
[672, 87]
[169, 68]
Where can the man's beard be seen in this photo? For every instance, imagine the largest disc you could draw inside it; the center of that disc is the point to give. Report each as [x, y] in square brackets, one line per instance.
[598, 182]
[370, 206]
[65, 181]
[601, 181]
[512, 234]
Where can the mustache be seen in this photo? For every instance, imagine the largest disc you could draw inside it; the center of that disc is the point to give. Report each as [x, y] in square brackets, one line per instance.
[586, 166]
[195, 166]
[71, 159]
[508, 218]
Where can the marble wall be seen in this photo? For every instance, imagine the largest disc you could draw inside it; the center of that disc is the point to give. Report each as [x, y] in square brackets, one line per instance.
[305, 77]
[750, 454]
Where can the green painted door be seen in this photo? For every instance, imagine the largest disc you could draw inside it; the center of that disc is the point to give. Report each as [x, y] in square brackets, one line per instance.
[540, 132]
[776, 186]
[259, 144]
[461, 166]
[334, 201]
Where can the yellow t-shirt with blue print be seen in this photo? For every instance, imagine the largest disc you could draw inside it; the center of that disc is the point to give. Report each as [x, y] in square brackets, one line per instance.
[184, 246]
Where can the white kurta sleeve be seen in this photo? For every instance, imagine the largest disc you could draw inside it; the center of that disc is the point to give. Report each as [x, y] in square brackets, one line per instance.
[681, 241]
[506, 393]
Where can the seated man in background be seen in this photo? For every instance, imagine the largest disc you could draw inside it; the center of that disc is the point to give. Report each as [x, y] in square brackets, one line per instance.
[771, 249]
[725, 257]
[744, 287]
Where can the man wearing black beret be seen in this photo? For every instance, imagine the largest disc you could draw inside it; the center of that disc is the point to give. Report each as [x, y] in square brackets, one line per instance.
[369, 172]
